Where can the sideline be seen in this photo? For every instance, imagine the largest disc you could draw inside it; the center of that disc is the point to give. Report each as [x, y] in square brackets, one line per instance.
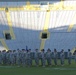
[60, 68]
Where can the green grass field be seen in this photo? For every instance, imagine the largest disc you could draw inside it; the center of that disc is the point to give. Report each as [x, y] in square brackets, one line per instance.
[53, 70]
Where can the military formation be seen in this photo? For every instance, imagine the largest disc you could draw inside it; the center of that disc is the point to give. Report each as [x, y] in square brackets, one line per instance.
[27, 57]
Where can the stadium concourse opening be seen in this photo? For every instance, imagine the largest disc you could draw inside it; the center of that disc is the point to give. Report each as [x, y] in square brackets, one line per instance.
[44, 36]
[7, 36]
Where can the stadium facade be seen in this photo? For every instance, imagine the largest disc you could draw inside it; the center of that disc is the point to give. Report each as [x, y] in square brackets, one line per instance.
[37, 24]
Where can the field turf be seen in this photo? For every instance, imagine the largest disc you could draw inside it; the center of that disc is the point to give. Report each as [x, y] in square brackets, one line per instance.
[48, 70]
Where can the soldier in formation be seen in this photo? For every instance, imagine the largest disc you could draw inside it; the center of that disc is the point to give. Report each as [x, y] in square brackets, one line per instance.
[25, 57]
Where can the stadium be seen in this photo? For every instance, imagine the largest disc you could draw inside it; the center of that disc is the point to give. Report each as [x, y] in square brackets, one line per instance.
[41, 24]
